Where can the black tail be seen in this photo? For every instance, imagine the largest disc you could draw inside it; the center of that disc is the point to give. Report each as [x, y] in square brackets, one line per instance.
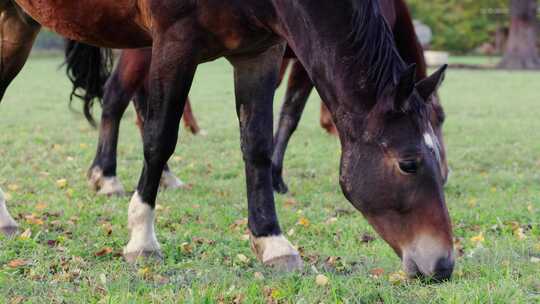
[88, 67]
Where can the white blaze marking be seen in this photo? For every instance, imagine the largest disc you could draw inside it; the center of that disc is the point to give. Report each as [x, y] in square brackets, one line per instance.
[428, 139]
[141, 226]
[5, 218]
[271, 247]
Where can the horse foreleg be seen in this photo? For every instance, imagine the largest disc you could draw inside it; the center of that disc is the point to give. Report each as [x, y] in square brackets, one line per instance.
[255, 82]
[298, 90]
[174, 62]
[168, 179]
[17, 35]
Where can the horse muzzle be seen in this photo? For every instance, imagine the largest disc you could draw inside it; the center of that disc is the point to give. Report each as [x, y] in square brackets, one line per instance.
[429, 259]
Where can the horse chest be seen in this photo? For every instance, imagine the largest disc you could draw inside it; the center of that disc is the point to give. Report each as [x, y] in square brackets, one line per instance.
[119, 23]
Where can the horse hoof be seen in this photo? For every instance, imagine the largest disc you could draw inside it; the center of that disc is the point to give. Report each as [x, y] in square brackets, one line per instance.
[277, 252]
[169, 181]
[133, 257]
[105, 185]
[9, 231]
[287, 263]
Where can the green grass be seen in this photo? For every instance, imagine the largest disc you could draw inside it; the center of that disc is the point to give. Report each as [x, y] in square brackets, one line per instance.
[494, 150]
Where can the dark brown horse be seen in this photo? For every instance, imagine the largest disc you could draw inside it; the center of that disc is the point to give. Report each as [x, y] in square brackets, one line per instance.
[389, 165]
[299, 88]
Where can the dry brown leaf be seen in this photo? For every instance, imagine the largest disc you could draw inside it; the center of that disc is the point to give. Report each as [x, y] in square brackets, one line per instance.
[321, 280]
[41, 206]
[61, 183]
[376, 272]
[16, 300]
[104, 251]
[17, 263]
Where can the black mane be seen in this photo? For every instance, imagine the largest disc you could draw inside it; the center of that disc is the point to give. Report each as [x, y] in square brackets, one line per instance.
[374, 47]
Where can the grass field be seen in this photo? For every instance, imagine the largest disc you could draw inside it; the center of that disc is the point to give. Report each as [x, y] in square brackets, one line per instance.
[68, 252]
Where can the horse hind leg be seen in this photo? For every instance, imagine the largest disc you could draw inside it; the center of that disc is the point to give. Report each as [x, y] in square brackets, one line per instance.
[298, 90]
[17, 35]
[118, 93]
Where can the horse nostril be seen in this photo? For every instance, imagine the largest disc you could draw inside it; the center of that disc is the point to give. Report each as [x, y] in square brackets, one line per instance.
[443, 269]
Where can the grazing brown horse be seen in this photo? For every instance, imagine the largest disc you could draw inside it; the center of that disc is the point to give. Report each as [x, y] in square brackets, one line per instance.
[129, 81]
[299, 88]
[389, 164]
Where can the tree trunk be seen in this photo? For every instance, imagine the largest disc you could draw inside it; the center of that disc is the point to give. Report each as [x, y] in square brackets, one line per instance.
[521, 50]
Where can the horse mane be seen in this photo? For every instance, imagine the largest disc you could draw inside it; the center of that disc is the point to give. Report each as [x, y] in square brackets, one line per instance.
[377, 52]
[374, 48]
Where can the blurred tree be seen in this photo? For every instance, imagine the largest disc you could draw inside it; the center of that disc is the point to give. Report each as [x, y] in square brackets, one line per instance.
[521, 49]
[460, 25]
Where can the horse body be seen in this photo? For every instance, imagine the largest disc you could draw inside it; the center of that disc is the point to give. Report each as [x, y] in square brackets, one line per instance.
[118, 24]
[389, 171]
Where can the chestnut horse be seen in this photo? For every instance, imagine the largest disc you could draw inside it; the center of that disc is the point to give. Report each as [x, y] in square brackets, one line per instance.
[299, 88]
[389, 164]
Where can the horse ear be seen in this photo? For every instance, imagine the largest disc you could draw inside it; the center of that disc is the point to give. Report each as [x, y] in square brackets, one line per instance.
[405, 86]
[428, 86]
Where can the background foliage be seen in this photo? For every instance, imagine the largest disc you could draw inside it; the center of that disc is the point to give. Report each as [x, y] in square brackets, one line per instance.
[460, 26]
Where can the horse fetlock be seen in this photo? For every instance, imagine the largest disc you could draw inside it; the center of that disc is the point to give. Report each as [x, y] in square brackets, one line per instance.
[104, 185]
[276, 251]
[170, 181]
[143, 241]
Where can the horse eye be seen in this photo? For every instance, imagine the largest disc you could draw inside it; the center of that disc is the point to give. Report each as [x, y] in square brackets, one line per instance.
[408, 166]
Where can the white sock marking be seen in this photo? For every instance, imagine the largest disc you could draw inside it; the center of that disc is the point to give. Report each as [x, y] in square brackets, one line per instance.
[271, 247]
[141, 226]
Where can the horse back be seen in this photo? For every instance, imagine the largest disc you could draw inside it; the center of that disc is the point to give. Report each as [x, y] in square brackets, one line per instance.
[118, 23]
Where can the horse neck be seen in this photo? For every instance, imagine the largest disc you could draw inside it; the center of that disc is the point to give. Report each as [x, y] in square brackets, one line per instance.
[347, 75]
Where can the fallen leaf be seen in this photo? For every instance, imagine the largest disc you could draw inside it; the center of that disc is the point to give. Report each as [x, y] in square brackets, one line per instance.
[397, 278]
[61, 183]
[478, 238]
[25, 235]
[17, 263]
[83, 146]
[186, 248]
[303, 222]
[41, 206]
[242, 258]
[290, 232]
[16, 300]
[376, 272]
[321, 280]
[290, 201]
[331, 220]
[13, 187]
[258, 275]
[472, 202]
[104, 251]
[520, 234]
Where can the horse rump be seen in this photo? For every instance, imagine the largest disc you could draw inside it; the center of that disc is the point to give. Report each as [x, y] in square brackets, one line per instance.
[88, 68]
